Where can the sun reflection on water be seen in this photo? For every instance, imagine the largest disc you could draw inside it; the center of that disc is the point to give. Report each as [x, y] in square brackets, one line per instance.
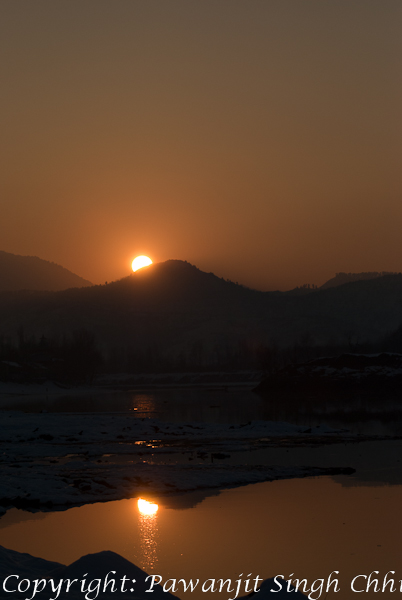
[148, 526]
[147, 508]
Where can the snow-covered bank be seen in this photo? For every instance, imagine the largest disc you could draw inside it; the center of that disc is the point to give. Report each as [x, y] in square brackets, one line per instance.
[51, 461]
[80, 483]
[107, 428]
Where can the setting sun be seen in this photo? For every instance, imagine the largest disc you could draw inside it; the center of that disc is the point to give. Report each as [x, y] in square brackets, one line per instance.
[139, 262]
[147, 508]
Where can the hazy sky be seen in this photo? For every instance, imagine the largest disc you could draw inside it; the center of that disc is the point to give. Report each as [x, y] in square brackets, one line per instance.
[257, 139]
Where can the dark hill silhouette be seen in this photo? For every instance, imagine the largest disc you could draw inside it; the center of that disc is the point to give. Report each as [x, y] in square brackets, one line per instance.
[342, 278]
[180, 283]
[174, 310]
[33, 273]
[339, 279]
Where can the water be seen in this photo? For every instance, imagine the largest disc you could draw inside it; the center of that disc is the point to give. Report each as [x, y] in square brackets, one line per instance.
[306, 527]
[378, 415]
[309, 527]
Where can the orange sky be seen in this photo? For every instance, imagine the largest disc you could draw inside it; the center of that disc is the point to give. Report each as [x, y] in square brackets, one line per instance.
[258, 140]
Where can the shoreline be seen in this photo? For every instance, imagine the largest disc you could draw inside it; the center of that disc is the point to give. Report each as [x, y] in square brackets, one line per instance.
[51, 460]
[115, 383]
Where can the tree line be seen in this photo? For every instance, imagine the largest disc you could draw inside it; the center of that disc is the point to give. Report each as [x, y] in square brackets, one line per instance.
[78, 357]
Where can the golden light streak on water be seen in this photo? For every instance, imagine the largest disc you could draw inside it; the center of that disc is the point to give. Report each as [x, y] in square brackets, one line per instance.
[148, 528]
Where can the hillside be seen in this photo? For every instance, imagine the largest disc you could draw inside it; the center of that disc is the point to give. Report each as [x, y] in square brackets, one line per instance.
[342, 278]
[32, 273]
[174, 310]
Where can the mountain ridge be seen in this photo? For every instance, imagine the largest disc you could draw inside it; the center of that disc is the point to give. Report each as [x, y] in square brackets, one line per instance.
[19, 272]
[342, 278]
[173, 308]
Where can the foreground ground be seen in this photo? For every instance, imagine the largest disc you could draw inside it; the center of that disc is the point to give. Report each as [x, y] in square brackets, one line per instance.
[91, 572]
[52, 461]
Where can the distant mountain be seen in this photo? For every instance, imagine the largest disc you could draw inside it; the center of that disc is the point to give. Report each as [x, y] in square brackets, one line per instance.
[32, 273]
[175, 311]
[339, 279]
[342, 278]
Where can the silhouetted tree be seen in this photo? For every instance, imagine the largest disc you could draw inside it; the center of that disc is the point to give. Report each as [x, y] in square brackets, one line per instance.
[82, 358]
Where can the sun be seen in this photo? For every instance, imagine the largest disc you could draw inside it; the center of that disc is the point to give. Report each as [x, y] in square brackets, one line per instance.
[139, 262]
